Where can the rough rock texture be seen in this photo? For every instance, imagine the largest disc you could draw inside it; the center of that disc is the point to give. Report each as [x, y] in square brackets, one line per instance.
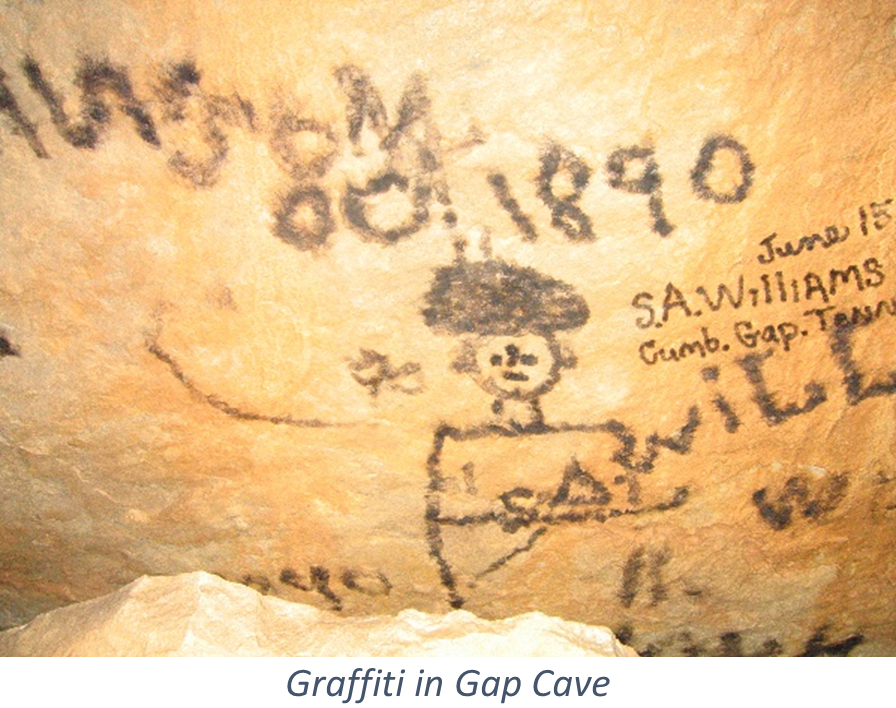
[197, 614]
[578, 307]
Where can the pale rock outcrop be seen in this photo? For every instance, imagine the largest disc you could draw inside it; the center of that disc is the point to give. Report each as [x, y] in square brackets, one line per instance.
[198, 614]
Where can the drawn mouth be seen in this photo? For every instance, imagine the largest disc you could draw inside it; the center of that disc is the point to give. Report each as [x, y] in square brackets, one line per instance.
[515, 376]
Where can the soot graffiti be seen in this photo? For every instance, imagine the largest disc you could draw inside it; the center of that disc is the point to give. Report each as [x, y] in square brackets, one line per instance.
[818, 293]
[738, 643]
[511, 319]
[409, 162]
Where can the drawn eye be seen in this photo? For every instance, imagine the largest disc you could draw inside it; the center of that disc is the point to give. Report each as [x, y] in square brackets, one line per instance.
[496, 360]
[529, 359]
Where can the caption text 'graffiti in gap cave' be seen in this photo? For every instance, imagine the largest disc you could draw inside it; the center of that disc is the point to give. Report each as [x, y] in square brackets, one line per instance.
[306, 149]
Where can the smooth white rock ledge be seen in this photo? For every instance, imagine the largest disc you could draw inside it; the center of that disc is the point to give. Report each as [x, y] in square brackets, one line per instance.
[199, 614]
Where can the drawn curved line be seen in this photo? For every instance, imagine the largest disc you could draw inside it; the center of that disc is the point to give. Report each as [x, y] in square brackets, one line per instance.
[511, 522]
[503, 560]
[679, 442]
[219, 404]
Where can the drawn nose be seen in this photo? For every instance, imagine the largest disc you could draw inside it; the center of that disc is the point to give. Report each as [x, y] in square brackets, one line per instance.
[513, 354]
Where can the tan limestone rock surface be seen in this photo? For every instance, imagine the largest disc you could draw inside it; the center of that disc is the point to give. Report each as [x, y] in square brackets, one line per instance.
[585, 307]
[197, 614]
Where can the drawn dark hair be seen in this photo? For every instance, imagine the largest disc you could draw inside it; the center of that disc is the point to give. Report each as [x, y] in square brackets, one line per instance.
[495, 298]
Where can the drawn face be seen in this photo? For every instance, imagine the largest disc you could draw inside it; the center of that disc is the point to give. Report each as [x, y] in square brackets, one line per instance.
[522, 367]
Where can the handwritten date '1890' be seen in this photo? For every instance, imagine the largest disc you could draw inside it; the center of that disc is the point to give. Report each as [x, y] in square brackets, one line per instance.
[413, 162]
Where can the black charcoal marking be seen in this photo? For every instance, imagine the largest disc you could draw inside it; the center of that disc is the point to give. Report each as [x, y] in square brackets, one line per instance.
[307, 234]
[580, 488]
[355, 209]
[215, 402]
[658, 590]
[7, 348]
[720, 403]
[704, 167]
[812, 499]
[373, 585]
[818, 644]
[288, 576]
[625, 633]
[679, 442]
[178, 84]
[412, 146]
[829, 497]
[778, 517]
[95, 78]
[22, 125]
[501, 190]
[858, 316]
[770, 647]
[637, 561]
[710, 373]
[364, 103]
[495, 298]
[515, 516]
[883, 496]
[298, 165]
[832, 236]
[649, 183]
[186, 73]
[731, 644]
[503, 560]
[375, 371]
[624, 458]
[175, 84]
[565, 213]
[853, 378]
[257, 582]
[413, 111]
[723, 292]
[694, 650]
[880, 212]
[247, 110]
[765, 399]
[679, 497]
[433, 512]
[651, 650]
[320, 581]
[631, 577]
[514, 376]
[469, 471]
[732, 422]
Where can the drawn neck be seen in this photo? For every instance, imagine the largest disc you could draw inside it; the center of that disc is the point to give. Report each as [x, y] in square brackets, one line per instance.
[518, 415]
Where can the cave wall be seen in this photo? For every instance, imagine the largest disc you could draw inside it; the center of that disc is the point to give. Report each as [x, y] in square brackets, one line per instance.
[578, 307]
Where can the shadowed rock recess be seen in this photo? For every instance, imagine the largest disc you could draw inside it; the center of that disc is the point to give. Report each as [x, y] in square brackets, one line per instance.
[582, 308]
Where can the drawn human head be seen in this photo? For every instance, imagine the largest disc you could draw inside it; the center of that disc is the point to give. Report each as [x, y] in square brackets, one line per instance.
[508, 316]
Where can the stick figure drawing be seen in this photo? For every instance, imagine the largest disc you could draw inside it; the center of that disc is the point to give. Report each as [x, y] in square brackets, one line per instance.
[496, 488]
